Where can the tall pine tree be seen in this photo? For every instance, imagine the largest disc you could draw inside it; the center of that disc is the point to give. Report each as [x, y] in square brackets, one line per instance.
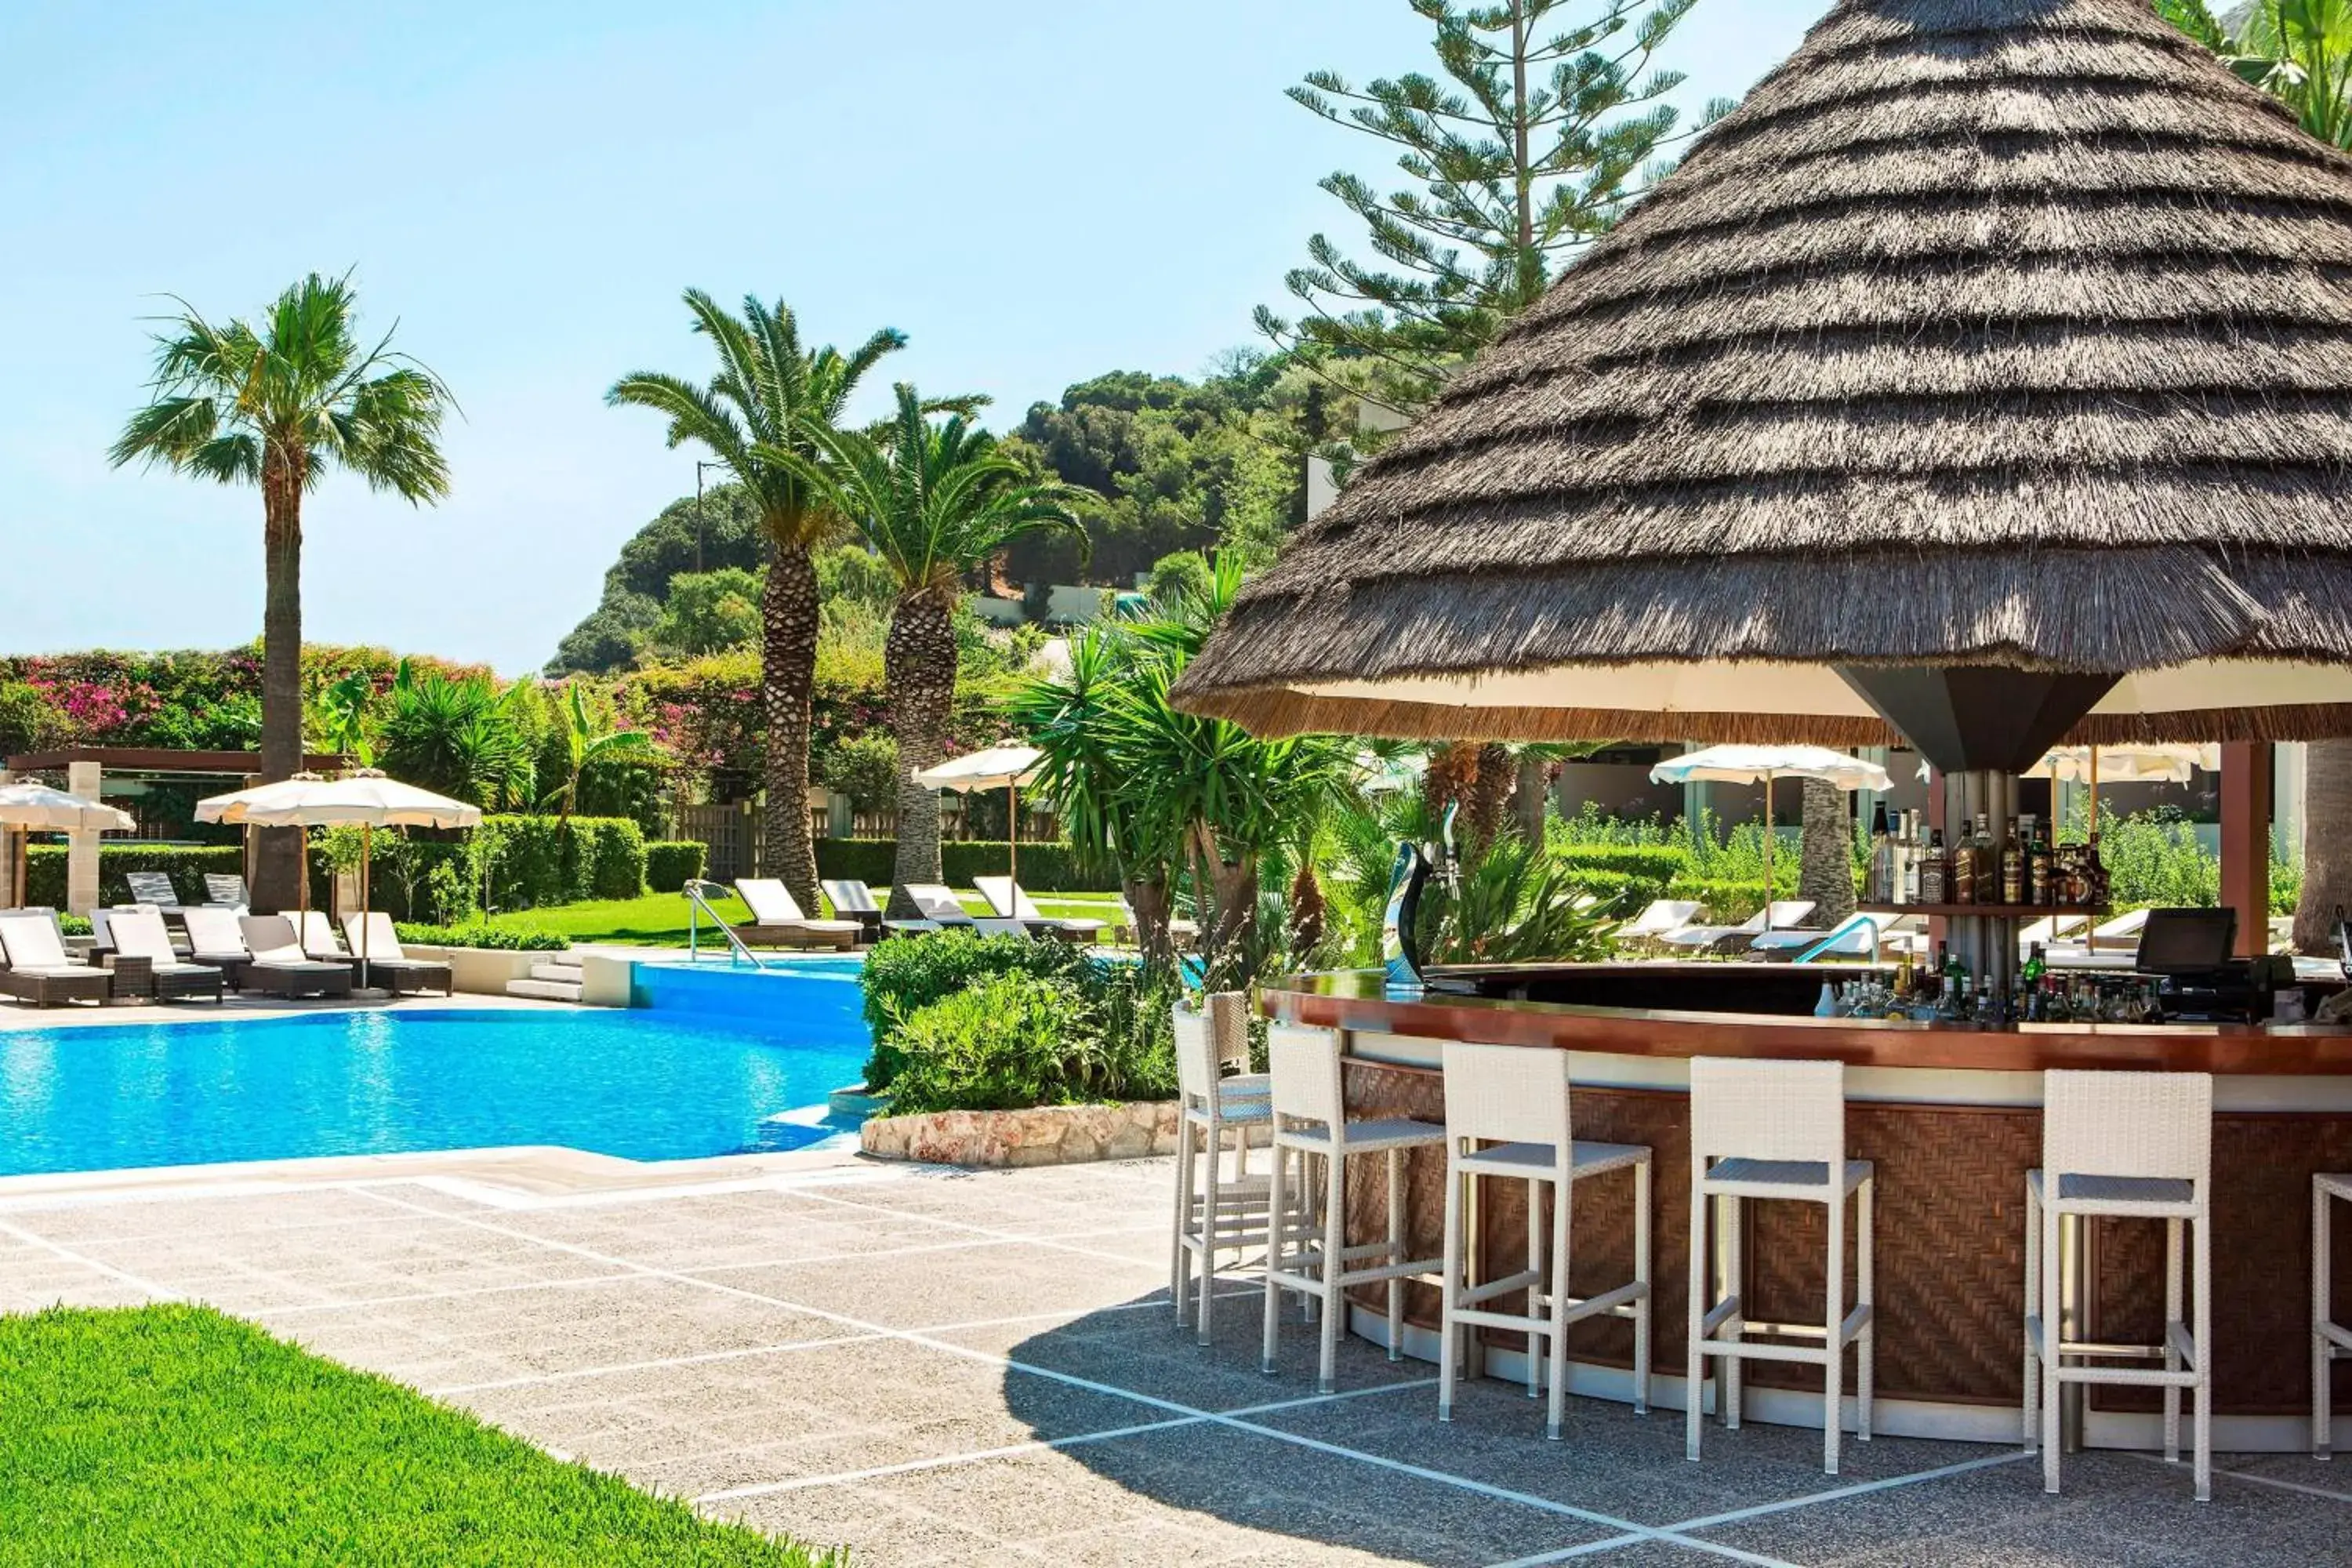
[1534, 140]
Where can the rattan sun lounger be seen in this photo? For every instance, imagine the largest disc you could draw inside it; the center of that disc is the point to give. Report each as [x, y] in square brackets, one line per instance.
[139, 934]
[399, 974]
[777, 921]
[1006, 898]
[35, 968]
[280, 967]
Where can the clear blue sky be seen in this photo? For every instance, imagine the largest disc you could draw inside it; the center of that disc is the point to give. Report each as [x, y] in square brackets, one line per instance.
[1033, 193]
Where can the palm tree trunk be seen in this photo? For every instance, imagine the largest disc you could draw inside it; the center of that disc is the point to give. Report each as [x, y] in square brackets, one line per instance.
[1532, 796]
[788, 617]
[278, 851]
[2327, 845]
[1825, 865]
[919, 666]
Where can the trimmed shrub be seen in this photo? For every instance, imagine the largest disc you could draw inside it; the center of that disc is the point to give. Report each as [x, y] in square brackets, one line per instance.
[1044, 868]
[1726, 903]
[1013, 1040]
[537, 860]
[1658, 863]
[671, 864]
[903, 977]
[489, 936]
[45, 869]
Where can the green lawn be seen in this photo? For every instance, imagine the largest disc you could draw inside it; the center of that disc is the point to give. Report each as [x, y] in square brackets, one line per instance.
[176, 1434]
[658, 920]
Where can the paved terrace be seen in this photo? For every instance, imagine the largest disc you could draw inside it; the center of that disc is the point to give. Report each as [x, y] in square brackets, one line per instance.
[945, 1368]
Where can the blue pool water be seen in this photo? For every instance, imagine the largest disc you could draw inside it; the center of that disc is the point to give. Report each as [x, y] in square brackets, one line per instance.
[694, 1074]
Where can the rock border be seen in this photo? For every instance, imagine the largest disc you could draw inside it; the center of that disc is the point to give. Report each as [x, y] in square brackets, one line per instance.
[1043, 1135]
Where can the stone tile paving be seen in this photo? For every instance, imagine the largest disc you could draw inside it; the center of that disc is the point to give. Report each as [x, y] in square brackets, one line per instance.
[939, 1368]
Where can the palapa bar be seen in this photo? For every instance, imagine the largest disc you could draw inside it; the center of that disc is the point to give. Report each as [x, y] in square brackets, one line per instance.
[1984, 381]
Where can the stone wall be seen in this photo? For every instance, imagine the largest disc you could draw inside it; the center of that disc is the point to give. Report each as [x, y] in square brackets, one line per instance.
[1047, 1135]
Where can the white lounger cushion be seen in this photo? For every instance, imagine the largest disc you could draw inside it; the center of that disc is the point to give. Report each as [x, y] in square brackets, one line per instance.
[1012, 901]
[30, 938]
[380, 944]
[271, 939]
[138, 933]
[215, 932]
[318, 940]
[937, 903]
[851, 898]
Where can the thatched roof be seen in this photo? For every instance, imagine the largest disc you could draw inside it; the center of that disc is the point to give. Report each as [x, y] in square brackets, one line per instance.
[1986, 332]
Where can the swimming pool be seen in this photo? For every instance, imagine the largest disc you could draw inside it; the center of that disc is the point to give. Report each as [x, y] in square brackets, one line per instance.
[664, 1083]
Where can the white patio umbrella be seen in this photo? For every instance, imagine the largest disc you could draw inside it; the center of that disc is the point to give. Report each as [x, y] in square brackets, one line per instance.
[2143, 763]
[27, 808]
[1763, 764]
[999, 767]
[365, 797]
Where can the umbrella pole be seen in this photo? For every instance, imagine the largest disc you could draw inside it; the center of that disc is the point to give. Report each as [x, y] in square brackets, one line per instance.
[1768, 849]
[367, 891]
[2091, 937]
[1013, 830]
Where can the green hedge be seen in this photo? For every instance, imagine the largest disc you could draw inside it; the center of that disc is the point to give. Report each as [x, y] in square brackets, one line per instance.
[488, 936]
[1658, 863]
[902, 978]
[671, 864]
[1044, 868]
[1726, 903]
[45, 869]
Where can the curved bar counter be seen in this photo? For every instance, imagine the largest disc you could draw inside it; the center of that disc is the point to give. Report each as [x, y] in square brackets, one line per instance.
[1950, 1113]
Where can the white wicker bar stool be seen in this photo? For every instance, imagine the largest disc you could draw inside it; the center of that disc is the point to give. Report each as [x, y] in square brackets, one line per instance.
[1310, 1123]
[1215, 1211]
[2330, 1339]
[2131, 1145]
[1775, 1129]
[1507, 1114]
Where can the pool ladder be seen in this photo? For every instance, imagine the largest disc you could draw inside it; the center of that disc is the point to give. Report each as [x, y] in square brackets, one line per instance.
[698, 906]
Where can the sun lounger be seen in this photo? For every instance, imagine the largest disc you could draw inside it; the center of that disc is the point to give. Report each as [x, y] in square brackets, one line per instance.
[214, 939]
[227, 892]
[1777, 916]
[1663, 917]
[854, 900]
[1006, 898]
[35, 968]
[1856, 936]
[372, 935]
[279, 966]
[777, 921]
[152, 888]
[139, 934]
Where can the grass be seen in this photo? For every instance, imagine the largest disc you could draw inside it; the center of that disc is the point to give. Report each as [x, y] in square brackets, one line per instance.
[658, 920]
[175, 1435]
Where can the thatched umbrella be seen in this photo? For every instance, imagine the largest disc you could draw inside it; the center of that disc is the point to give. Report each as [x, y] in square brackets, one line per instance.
[1984, 379]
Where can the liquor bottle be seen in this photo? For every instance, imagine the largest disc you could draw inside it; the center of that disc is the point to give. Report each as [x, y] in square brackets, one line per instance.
[1899, 874]
[1964, 865]
[2037, 965]
[2037, 871]
[1915, 870]
[1934, 881]
[1882, 860]
[2094, 876]
[2012, 869]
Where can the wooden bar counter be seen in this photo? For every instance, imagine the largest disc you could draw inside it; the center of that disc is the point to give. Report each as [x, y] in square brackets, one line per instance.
[1950, 1114]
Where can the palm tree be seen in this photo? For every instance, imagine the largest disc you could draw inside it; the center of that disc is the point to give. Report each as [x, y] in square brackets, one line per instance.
[281, 402]
[764, 416]
[461, 737]
[935, 500]
[587, 741]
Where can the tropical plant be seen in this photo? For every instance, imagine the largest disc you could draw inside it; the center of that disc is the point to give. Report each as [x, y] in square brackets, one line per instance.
[764, 416]
[1166, 796]
[461, 737]
[342, 717]
[588, 738]
[1526, 154]
[281, 402]
[2298, 51]
[935, 500]
[1516, 904]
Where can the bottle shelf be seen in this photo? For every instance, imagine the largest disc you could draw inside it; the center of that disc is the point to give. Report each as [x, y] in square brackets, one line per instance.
[1998, 911]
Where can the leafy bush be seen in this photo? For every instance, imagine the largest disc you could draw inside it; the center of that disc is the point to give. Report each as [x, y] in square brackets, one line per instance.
[866, 770]
[903, 977]
[45, 869]
[1044, 868]
[672, 863]
[74, 925]
[1725, 903]
[1013, 1040]
[488, 936]
[537, 860]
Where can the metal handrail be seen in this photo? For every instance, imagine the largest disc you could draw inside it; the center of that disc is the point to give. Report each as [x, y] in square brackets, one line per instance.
[698, 903]
[1845, 928]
